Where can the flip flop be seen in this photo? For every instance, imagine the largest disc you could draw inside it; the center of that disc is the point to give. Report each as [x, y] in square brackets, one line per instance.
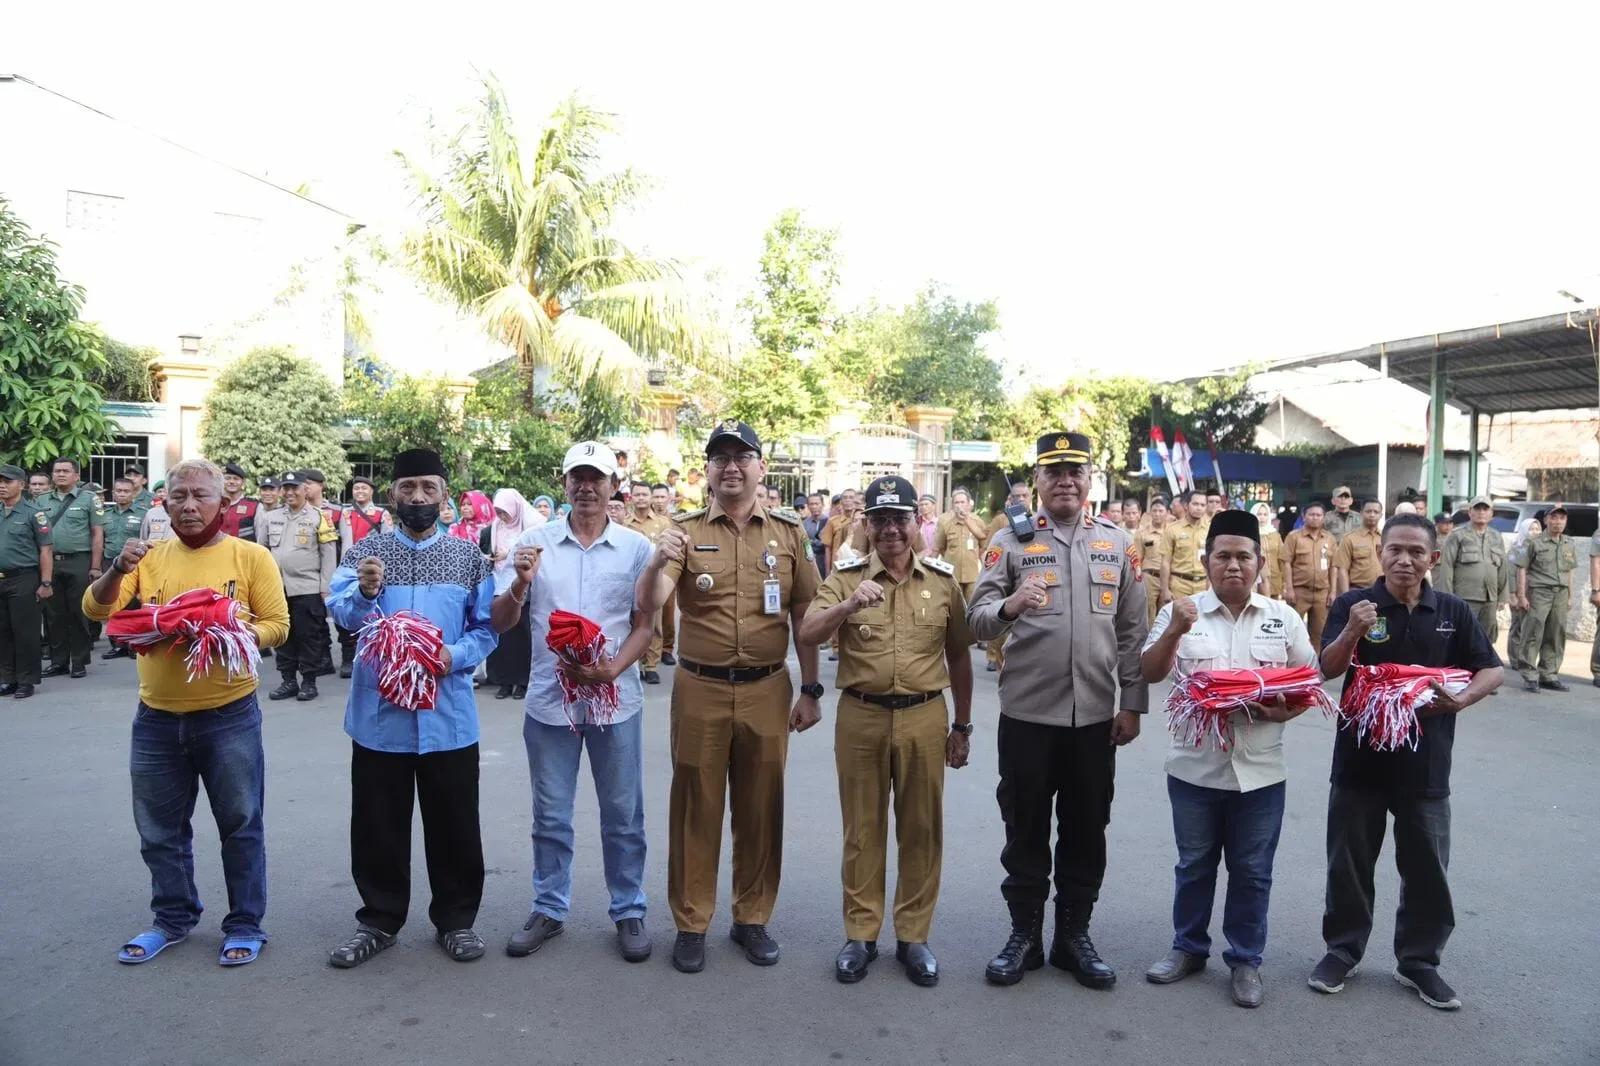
[252, 944]
[152, 941]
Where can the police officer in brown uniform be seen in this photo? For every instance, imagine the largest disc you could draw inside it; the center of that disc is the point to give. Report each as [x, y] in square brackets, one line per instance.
[1183, 548]
[1473, 565]
[1355, 560]
[1070, 600]
[902, 634]
[959, 538]
[305, 547]
[643, 518]
[1308, 580]
[744, 575]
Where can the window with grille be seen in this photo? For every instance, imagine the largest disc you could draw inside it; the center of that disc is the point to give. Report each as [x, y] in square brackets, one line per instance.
[94, 212]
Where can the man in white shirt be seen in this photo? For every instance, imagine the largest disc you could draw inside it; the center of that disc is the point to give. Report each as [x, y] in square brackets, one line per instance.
[587, 565]
[1226, 801]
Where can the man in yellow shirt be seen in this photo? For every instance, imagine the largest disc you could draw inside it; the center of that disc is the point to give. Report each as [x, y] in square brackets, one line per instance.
[206, 730]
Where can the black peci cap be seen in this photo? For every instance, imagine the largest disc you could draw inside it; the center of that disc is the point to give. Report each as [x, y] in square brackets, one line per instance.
[1063, 447]
[1234, 524]
[733, 429]
[419, 462]
[891, 494]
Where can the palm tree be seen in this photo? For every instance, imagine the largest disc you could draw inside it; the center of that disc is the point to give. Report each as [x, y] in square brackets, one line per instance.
[516, 233]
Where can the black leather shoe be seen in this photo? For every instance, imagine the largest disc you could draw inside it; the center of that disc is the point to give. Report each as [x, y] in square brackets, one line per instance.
[668, 659]
[24, 692]
[759, 947]
[503, 692]
[921, 967]
[78, 671]
[689, 952]
[1073, 951]
[308, 690]
[346, 668]
[1555, 686]
[1246, 986]
[7, 689]
[1024, 948]
[1527, 686]
[53, 671]
[632, 940]
[650, 677]
[519, 692]
[1175, 967]
[533, 934]
[990, 667]
[286, 691]
[851, 965]
[117, 652]
[1597, 682]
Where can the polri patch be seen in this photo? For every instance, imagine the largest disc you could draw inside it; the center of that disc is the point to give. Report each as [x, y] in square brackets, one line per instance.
[991, 557]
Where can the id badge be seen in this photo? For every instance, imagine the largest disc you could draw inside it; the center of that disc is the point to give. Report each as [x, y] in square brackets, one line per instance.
[1324, 561]
[971, 545]
[771, 597]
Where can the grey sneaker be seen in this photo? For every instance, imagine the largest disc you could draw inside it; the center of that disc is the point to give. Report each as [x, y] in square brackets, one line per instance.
[1330, 974]
[632, 939]
[531, 937]
[1426, 983]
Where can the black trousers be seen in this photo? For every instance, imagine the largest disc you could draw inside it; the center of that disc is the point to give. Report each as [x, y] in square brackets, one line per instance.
[307, 645]
[1067, 770]
[19, 627]
[512, 658]
[1357, 818]
[445, 784]
[69, 630]
[347, 643]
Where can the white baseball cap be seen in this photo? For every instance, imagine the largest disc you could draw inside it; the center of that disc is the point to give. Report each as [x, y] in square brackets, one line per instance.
[590, 453]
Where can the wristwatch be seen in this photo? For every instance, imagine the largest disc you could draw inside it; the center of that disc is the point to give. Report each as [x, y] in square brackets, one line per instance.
[964, 729]
[814, 690]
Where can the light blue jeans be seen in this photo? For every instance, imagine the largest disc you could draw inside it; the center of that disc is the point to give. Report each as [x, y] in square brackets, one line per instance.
[616, 760]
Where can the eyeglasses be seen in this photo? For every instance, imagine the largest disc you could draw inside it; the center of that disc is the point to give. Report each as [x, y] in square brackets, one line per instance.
[879, 521]
[742, 459]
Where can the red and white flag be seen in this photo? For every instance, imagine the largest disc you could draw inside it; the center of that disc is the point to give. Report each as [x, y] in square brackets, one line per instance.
[1160, 443]
[1184, 457]
[1216, 464]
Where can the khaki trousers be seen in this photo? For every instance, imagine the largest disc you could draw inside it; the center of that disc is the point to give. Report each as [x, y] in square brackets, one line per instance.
[666, 624]
[726, 738]
[1185, 586]
[879, 751]
[1152, 590]
[1488, 616]
[1544, 634]
[1315, 616]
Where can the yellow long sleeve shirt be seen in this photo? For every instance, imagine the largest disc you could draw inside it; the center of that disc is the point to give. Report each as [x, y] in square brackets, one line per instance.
[236, 568]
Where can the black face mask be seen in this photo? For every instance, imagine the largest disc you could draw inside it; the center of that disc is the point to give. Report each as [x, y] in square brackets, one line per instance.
[418, 516]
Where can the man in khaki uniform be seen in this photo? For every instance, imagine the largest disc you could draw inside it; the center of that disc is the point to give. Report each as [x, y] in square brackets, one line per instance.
[1149, 540]
[1068, 597]
[901, 626]
[839, 526]
[1544, 583]
[1342, 520]
[994, 651]
[1307, 569]
[1473, 565]
[643, 518]
[306, 547]
[958, 539]
[1355, 559]
[1183, 549]
[744, 576]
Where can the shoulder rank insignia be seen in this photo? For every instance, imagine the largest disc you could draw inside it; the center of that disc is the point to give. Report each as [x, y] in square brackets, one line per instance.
[853, 564]
[943, 567]
[785, 514]
[685, 516]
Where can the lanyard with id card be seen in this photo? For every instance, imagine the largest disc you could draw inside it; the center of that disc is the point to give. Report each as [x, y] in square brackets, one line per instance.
[771, 590]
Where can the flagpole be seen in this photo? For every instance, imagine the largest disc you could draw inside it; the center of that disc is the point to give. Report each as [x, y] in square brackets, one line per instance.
[1166, 457]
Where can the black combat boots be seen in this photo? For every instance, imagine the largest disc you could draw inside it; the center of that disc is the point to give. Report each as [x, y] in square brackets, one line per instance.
[1024, 948]
[1073, 951]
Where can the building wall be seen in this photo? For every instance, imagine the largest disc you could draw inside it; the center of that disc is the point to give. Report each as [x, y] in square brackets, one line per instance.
[1287, 425]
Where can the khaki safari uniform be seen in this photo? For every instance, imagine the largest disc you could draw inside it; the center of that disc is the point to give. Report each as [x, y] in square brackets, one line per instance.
[1549, 561]
[1272, 563]
[889, 736]
[24, 529]
[1340, 526]
[1184, 543]
[1149, 542]
[960, 542]
[1357, 556]
[72, 517]
[305, 546]
[730, 708]
[650, 526]
[1474, 567]
[1308, 556]
[836, 529]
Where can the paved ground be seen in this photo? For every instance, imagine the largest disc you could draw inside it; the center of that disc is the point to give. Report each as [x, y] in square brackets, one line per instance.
[1524, 874]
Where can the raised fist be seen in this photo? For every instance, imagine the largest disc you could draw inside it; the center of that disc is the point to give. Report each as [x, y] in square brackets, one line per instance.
[370, 575]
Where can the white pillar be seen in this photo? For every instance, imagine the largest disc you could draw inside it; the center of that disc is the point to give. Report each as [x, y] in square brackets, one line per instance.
[1383, 442]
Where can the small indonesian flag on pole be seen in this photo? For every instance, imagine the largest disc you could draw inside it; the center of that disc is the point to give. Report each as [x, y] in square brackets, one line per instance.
[1216, 464]
[1160, 443]
[1182, 455]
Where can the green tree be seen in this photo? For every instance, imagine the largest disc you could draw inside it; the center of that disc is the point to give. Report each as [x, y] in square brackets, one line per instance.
[1224, 405]
[49, 404]
[937, 358]
[511, 448]
[390, 413]
[518, 233]
[793, 312]
[271, 411]
[779, 395]
[127, 375]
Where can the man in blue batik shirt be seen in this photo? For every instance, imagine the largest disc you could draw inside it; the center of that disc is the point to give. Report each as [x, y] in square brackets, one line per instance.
[433, 754]
[588, 565]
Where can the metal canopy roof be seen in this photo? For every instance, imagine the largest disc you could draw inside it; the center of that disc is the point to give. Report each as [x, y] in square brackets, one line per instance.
[1536, 364]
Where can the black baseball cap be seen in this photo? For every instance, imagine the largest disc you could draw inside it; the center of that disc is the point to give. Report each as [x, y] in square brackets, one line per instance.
[732, 428]
[293, 477]
[891, 494]
[1556, 508]
[269, 483]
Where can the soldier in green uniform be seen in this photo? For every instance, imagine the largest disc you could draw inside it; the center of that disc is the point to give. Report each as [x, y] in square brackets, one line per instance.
[142, 496]
[77, 522]
[123, 521]
[1544, 584]
[1472, 565]
[1594, 599]
[25, 573]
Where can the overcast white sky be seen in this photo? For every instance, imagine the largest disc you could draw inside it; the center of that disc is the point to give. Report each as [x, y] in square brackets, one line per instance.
[1170, 187]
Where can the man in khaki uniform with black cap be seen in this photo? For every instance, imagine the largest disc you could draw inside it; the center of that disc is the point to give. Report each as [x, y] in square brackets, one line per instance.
[1068, 595]
[1473, 565]
[306, 548]
[902, 635]
[744, 576]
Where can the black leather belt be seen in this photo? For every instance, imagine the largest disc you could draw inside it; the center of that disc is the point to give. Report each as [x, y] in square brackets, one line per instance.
[68, 555]
[1191, 577]
[16, 570]
[734, 675]
[893, 703]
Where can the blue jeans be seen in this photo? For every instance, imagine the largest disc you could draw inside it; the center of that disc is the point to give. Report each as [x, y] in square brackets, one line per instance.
[171, 755]
[616, 759]
[1210, 823]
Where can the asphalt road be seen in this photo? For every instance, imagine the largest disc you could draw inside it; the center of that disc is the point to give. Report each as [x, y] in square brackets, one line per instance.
[1523, 872]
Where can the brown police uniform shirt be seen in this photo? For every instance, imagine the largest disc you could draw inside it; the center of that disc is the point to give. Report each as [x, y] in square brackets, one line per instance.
[836, 527]
[960, 542]
[897, 647]
[1184, 543]
[721, 618]
[1357, 556]
[1307, 557]
[1065, 661]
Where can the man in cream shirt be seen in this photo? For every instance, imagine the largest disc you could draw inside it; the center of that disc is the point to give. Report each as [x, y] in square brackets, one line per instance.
[1226, 801]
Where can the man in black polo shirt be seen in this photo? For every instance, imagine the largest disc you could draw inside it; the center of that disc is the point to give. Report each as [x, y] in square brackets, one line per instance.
[1401, 619]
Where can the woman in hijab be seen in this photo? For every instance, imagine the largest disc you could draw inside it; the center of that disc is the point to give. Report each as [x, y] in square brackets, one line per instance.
[1270, 581]
[544, 507]
[1528, 527]
[508, 665]
[476, 514]
[564, 510]
[447, 514]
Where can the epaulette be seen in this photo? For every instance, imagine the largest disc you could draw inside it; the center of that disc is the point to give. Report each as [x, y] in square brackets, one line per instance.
[1104, 519]
[785, 514]
[853, 564]
[688, 515]
[940, 566]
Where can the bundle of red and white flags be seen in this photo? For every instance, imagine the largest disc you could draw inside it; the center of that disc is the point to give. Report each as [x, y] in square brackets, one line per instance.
[577, 641]
[1201, 705]
[404, 650]
[212, 627]
[1381, 702]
